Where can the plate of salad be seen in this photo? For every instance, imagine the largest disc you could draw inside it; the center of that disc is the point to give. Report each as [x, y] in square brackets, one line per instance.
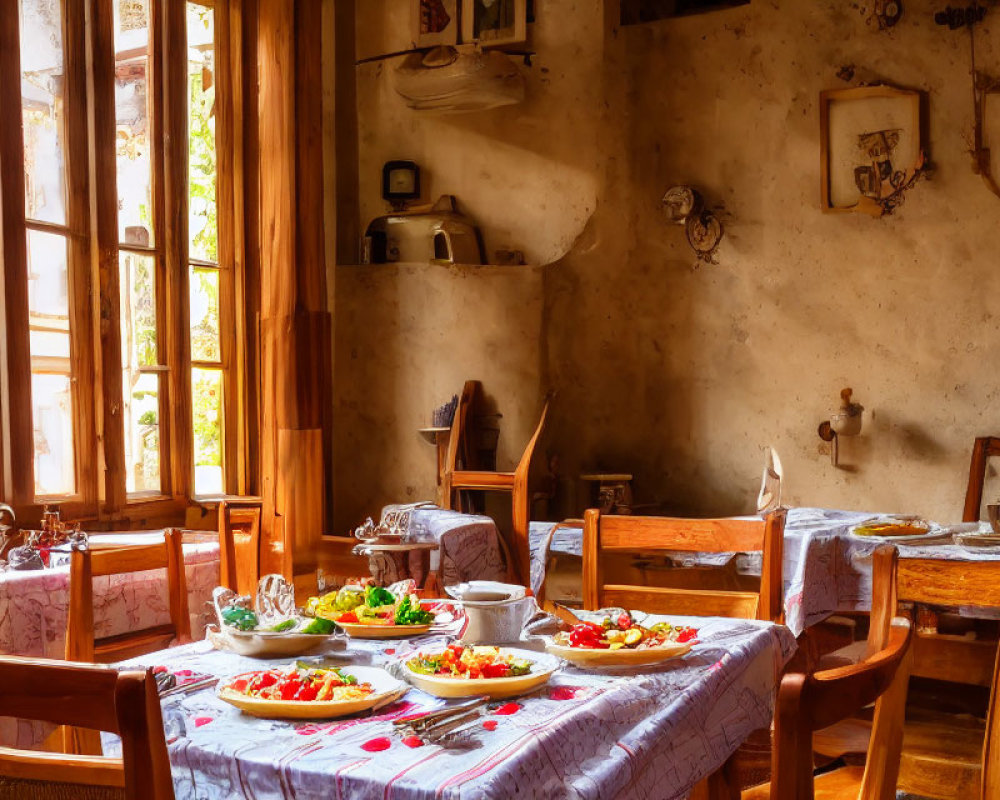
[621, 642]
[243, 631]
[309, 691]
[463, 671]
[373, 612]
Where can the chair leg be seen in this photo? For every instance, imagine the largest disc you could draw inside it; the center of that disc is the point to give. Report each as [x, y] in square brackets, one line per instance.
[521, 518]
[80, 741]
[720, 785]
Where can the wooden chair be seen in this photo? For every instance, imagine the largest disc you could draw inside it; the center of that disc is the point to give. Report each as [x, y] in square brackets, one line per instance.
[983, 449]
[945, 755]
[807, 703]
[85, 565]
[101, 698]
[609, 533]
[239, 545]
[516, 482]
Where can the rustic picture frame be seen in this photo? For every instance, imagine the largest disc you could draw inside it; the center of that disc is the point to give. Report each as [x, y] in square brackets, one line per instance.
[987, 132]
[435, 22]
[871, 147]
[495, 23]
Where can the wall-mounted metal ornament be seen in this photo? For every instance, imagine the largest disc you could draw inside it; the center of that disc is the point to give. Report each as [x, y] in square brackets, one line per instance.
[956, 18]
[685, 206]
[883, 14]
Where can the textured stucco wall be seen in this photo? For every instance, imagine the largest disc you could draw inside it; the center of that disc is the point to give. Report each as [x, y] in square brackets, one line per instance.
[407, 337]
[680, 373]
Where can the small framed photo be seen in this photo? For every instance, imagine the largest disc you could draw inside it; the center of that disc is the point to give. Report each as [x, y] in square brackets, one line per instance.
[495, 22]
[870, 147]
[435, 22]
[988, 136]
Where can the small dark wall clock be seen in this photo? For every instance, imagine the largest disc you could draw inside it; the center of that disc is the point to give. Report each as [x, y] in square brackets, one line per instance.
[400, 182]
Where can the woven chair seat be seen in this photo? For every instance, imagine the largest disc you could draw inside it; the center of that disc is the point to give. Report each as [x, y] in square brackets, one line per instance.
[20, 788]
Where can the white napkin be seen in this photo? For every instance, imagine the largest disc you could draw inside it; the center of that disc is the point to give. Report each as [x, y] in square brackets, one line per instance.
[770, 483]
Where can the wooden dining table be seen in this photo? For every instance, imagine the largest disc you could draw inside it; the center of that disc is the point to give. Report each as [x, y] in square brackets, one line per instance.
[826, 568]
[647, 733]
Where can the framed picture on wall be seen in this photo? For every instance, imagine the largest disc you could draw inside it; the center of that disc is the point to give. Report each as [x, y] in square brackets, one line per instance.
[495, 22]
[435, 22]
[871, 148]
[987, 135]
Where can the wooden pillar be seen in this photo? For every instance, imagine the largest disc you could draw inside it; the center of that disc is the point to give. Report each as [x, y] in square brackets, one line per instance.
[15, 354]
[295, 324]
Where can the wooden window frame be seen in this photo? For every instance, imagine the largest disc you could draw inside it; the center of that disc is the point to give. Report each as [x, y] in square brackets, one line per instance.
[92, 226]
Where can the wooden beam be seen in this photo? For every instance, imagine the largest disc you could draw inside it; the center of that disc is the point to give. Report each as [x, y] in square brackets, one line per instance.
[105, 232]
[174, 234]
[247, 191]
[295, 326]
[15, 360]
[82, 308]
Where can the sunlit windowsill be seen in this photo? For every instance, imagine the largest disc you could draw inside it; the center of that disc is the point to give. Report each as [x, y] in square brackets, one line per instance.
[212, 500]
[135, 498]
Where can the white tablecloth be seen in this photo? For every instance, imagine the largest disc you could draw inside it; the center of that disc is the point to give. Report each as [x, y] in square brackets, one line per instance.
[647, 734]
[468, 544]
[826, 569]
[34, 605]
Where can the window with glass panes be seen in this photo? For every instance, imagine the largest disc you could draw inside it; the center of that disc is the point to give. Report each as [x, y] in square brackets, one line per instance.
[99, 256]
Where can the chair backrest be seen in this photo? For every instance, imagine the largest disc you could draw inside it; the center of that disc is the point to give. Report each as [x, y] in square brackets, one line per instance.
[983, 448]
[521, 471]
[807, 703]
[607, 533]
[459, 451]
[99, 697]
[239, 545]
[958, 583]
[85, 565]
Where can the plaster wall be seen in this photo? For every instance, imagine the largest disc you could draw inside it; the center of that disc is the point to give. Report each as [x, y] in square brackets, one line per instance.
[407, 337]
[681, 372]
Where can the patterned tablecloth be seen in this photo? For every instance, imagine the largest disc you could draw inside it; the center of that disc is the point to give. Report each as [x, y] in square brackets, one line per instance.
[469, 544]
[34, 605]
[826, 568]
[644, 734]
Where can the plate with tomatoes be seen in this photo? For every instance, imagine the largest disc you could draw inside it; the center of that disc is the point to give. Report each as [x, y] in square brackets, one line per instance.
[377, 630]
[469, 671]
[373, 613]
[621, 642]
[305, 691]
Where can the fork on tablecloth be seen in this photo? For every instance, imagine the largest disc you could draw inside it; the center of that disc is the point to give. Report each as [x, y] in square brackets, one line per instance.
[439, 727]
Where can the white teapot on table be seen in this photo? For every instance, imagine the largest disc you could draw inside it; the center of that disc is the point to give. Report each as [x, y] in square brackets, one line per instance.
[496, 612]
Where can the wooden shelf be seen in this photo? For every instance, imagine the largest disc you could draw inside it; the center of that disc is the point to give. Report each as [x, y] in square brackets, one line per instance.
[431, 435]
[513, 268]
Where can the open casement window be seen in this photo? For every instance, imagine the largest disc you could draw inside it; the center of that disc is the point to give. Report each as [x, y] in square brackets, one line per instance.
[120, 235]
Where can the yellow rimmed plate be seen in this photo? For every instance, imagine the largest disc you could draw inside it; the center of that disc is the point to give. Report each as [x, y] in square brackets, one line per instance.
[359, 631]
[384, 686]
[623, 657]
[542, 667]
[892, 526]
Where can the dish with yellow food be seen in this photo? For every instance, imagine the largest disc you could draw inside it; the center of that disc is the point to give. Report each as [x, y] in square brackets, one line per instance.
[892, 527]
[461, 671]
